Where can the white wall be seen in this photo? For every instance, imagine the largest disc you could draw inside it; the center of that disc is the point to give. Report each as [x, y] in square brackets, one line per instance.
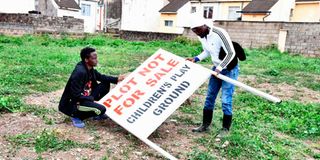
[75, 14]
[17, 6]
[90, 21]
[281, 11]
[200, 7]
[141, 15]
[183, 13]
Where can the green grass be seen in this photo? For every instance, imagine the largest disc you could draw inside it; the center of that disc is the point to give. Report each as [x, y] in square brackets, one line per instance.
[197, 154]
[33, 64]
[48, 141]
[295, 70]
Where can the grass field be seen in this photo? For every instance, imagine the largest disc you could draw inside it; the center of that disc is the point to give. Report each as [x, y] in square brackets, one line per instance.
[261, 130]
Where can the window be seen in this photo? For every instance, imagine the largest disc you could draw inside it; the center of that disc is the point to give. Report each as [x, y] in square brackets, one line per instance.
[168, 23]
[207, 12]
[193, 9]
[85, 9]
[233, 15]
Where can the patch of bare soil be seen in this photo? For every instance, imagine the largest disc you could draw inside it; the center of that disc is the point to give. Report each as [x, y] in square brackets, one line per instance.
[16, 123]
[283, 91]
[48, 100]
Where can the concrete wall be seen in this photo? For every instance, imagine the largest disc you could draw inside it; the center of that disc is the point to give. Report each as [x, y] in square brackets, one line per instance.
[303, 38]
[300, 37]
[19, 24]
[146, 36]
[16, 6]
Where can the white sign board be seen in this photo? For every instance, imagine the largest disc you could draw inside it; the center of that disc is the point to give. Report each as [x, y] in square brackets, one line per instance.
[149, 95]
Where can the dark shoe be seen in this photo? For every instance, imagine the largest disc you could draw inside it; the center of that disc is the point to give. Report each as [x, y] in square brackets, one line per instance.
[206, 121]
[101, 117]
[226, 121]
[202, 128]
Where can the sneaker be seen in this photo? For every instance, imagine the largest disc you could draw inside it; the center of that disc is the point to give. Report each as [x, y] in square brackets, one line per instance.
[100, 117]
[77, 122]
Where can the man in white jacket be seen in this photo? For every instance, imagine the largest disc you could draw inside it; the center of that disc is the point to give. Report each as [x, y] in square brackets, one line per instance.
[213, 39]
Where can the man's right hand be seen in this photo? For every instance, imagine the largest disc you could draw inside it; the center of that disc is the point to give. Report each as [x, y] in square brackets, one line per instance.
[121, 77]
[190, 59]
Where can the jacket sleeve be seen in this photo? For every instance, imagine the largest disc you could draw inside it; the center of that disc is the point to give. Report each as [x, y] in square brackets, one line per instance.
[227, 45]
[104, 78]
[76, 87]
[203, 55]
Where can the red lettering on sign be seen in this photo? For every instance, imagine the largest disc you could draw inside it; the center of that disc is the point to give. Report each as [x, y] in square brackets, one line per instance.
[123, 90]
[130, 101]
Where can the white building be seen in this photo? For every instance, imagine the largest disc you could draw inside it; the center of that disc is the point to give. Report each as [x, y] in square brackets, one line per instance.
[141, 15]
[91, 11]
[58, 8]
[271, 10]
[90, 14]
[82, 9]
[172, 16]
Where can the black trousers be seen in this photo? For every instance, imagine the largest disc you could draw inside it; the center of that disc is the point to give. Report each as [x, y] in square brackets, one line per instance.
[88, 109]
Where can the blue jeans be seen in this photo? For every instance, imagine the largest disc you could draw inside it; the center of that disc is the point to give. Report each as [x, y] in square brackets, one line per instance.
[227, 91]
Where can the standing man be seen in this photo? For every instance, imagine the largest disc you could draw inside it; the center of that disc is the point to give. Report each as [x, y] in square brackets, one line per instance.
[82, 90]
[213, 39]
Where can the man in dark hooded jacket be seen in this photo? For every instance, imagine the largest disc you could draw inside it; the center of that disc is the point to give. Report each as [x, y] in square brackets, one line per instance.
[83, 90]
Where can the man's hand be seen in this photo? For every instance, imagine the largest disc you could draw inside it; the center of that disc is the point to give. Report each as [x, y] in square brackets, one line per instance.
[217, 72]
[121, 77]
[190, 59]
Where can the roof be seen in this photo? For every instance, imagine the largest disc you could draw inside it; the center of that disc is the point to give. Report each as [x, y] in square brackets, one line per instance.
[71, 4]
[173, 6]
[259, 6]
